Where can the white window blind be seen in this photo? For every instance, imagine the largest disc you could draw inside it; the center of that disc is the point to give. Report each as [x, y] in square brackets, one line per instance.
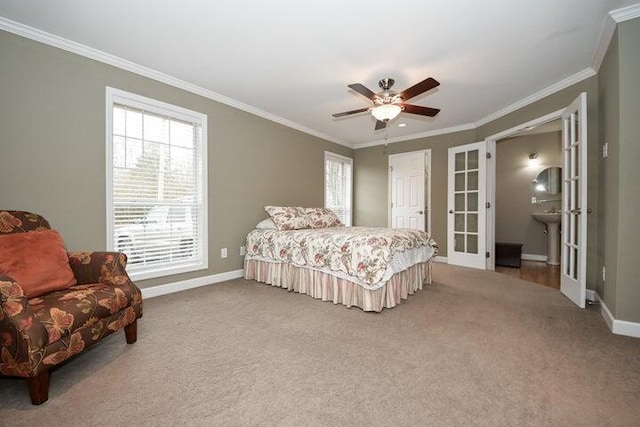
[156, 185]
[338, 185]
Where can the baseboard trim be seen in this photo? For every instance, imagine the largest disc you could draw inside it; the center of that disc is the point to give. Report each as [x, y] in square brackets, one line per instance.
[441, 259]
[618, 327]
[170, 288]
[629, 329]
[534, 257]
[606, 314]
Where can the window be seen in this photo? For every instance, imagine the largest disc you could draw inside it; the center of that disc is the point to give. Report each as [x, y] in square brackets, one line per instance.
[156, 185]
[337, 185]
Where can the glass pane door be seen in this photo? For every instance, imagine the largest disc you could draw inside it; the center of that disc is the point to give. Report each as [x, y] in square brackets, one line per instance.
[467, 187]
[466, 202]
[574, 203]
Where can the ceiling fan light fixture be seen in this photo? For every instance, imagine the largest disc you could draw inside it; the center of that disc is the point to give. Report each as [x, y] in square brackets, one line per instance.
[386, 112]
[387, 104]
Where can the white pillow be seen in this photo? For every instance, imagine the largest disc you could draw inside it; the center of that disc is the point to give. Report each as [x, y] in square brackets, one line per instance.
[266, 224]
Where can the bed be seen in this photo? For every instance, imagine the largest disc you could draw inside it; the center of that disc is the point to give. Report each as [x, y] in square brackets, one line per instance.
[312, 253]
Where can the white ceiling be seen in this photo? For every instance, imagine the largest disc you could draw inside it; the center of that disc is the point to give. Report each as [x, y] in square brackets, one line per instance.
[291, 60]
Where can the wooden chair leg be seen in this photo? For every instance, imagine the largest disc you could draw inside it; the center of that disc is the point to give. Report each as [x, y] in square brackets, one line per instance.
[131, 332]
[39, 388]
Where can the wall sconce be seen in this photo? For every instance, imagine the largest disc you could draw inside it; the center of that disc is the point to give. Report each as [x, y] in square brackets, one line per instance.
[533, 159]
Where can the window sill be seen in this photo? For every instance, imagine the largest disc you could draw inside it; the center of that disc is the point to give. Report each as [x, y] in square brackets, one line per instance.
[160, 271]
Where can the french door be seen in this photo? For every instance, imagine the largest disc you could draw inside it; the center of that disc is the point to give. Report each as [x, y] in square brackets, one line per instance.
[574, 205]
[466, 224]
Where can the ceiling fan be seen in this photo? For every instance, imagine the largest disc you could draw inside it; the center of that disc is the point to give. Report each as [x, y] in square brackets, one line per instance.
[388, 104]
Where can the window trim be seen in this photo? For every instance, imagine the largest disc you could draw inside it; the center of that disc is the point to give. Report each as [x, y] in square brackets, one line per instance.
[328, 155]
[117, 96]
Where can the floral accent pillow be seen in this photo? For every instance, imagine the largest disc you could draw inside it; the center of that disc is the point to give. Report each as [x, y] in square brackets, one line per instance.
[288, 217]
[322, 218]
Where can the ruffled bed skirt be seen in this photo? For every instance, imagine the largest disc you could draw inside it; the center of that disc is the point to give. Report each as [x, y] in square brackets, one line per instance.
[326, 287]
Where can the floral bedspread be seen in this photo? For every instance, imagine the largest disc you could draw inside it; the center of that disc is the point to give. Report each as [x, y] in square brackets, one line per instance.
[360, 252]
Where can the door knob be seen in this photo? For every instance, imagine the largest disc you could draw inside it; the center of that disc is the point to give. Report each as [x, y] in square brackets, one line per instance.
[420, 212]
[450, 210]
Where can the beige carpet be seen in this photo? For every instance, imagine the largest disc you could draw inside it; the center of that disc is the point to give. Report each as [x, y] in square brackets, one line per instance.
[473, 349]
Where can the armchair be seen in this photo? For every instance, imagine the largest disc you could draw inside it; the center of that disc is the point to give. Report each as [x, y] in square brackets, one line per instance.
[39, 333]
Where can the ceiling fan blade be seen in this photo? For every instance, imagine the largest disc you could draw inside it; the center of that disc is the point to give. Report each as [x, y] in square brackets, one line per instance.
[416, 109]
[380, 124]
[347, 113]
[362, 90]
[419, 88]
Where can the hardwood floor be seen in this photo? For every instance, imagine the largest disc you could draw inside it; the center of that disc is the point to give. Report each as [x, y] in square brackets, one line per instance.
[536, 272]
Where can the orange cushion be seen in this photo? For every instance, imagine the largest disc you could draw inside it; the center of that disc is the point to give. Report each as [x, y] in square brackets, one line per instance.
[37, 260]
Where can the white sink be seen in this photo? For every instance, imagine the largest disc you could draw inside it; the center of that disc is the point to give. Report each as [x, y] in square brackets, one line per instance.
[552, 219]
[547, 217]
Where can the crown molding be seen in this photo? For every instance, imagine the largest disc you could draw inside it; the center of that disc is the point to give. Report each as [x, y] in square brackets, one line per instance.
[611, 20]
[452, 129]
[626, 13]
[606, 35]
[106, 58]
[550, 90]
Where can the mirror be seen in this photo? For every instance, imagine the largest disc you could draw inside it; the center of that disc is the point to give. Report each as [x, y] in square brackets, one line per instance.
[549, 181]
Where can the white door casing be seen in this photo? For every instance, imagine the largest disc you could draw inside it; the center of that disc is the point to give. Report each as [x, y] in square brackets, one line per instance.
[466, 218]
[407, 190]
[574, 201]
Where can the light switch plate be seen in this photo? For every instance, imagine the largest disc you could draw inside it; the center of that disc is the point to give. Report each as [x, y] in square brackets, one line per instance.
[605, 150]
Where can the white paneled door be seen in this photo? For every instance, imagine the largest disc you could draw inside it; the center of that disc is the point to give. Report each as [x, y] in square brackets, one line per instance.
[574, 203]
[466, 224]
[407, 172]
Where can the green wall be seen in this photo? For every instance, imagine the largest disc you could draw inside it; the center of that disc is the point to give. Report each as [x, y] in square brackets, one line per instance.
[609, 183]
[628, 282]
[52, 157]
[619, 99]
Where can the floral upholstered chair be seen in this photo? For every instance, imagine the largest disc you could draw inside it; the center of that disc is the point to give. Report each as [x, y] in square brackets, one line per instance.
[52, 310]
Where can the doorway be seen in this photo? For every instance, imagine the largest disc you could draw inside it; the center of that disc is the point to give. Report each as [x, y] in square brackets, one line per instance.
[528, 168]
[574, 209]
